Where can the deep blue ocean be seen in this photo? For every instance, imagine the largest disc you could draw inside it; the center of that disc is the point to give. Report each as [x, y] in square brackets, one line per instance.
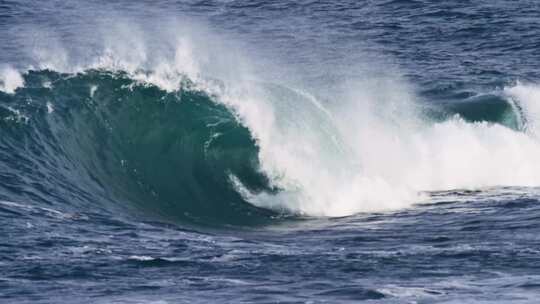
[229, 151]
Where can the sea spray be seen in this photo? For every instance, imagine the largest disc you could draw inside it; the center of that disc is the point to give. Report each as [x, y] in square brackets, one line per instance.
[10, 79]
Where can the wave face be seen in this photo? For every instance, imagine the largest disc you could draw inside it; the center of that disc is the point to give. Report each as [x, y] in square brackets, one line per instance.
[101, 136]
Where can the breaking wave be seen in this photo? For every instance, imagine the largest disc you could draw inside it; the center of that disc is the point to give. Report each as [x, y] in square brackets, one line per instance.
[189, 138]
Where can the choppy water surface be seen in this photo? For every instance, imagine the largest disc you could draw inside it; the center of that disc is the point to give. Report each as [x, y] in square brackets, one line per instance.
[269, 151]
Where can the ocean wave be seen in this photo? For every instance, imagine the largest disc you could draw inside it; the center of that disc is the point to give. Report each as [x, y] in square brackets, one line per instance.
[207, 157]
[182, 132]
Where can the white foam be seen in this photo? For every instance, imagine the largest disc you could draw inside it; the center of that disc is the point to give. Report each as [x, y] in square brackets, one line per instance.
[143, 258]
[373, 153]
[50, 107]
[16, 116]
[93, 90]
[527, 97]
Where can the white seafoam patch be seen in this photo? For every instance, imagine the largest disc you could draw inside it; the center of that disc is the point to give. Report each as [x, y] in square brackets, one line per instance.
[527, 97]
[50, 107]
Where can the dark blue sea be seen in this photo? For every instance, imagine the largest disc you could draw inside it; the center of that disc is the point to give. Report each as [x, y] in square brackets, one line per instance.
[233, 151]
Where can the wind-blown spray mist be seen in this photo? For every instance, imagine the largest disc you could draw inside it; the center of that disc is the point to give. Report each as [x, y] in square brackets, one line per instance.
[10, 79]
